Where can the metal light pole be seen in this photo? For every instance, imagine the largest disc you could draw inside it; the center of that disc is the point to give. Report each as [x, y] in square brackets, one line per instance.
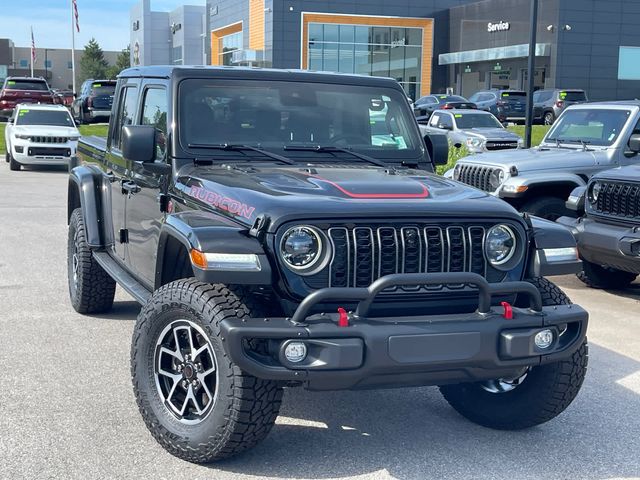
[531, 73]
[46, 72]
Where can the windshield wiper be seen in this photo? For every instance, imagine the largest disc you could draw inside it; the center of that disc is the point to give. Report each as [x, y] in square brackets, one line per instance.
[240, 148]
[333, 149]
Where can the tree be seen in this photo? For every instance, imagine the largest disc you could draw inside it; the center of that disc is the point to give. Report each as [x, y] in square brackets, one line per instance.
[93, 63]
[122, 61]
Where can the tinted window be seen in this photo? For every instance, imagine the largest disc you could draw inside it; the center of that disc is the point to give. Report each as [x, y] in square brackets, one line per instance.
[446, 121]
[542, 96]
[60, 118]
[450, 98]
[572, 96]
[278, 114]
[595, 127]
[154, 112]
[476, 120]
[102, 89]
[26, 85]
[518, 97]
[126, 111]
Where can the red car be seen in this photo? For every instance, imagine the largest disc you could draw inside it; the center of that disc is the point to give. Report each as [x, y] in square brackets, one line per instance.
[23, 90]
[63, 97]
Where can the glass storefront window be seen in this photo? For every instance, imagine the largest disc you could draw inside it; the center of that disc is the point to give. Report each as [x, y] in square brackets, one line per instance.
[394, 52]
[230, 43]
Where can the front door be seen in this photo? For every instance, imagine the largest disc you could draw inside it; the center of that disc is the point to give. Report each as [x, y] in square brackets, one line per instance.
[144, 217]
[117, 166]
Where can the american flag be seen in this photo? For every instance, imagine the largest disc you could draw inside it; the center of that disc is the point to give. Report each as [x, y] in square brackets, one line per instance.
[33, 48]
[75, 14]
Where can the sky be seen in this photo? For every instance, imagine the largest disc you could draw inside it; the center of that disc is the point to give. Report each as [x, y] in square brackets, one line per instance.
[105, 20]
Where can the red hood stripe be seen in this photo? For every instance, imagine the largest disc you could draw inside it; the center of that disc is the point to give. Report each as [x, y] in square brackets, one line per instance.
[423, 194]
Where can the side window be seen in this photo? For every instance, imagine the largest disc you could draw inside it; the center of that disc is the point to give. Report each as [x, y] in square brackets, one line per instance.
[435, 120]
[537, 96]
[446, 121]
[154, 112]
[125, 114]
[475, 97]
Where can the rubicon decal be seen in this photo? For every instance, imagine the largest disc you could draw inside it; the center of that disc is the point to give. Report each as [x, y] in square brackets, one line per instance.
[223, 203]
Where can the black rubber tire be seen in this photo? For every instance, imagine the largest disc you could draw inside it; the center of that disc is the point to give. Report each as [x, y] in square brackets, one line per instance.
[246, 407]
[95, 289]
[13, 165]
[545, 393]
[7, 156]
[596, 276]
[548, 118]
[550, 208]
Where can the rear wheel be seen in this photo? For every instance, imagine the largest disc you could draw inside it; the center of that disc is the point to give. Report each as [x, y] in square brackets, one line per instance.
[549, 118]
[549, 208]
[194, 400]
[531, 396]
[596, 276]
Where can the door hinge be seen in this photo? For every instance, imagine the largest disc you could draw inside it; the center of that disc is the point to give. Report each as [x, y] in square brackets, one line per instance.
[124, 235]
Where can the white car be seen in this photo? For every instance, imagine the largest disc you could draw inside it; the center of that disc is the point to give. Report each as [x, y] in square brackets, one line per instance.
[40, 135]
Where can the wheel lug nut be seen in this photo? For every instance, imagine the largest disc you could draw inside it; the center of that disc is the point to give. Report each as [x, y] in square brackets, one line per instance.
[185, 384]
[195, 383]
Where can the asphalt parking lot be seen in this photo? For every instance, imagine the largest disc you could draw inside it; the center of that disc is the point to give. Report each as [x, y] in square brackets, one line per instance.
[67, 409]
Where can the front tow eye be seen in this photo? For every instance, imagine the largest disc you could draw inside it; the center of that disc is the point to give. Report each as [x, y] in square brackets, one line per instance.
[508, 311]
[343, 317]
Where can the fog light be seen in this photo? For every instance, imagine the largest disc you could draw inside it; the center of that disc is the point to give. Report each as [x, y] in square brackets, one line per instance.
[295, 352]
[543, 339]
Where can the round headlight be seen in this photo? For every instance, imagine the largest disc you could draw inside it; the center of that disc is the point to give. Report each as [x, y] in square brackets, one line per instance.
[500, 244]
[301, 247]
[594, 192]
[496, 178]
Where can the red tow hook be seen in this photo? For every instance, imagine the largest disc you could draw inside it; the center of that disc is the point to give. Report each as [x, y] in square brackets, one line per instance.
[343, 318]
[508, 311]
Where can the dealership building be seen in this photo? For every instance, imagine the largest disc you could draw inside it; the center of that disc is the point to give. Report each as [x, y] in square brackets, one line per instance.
[429, 46]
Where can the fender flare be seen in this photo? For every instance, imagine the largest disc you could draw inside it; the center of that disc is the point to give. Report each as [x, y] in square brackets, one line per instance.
[510, 188]
[548, 236]
[209, 233]
[83, 187]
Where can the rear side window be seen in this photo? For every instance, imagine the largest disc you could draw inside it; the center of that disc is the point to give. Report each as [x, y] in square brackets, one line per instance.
[572, 96]
[154, 112]
[26, 85]
[542, 96]
[125, 114]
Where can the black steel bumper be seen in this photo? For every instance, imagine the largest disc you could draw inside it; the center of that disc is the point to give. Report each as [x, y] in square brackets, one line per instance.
[616, 246]
[404, 351]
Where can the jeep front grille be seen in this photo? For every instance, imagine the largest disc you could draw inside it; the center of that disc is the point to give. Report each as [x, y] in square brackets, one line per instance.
[618, 199]
[477, 176]
[363, 254]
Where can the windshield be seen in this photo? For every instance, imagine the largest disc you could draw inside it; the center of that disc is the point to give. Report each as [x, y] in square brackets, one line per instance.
[59, 118]
[26, 85]
[103, 89]
[594, 127]
[476, 120]
[276, 115]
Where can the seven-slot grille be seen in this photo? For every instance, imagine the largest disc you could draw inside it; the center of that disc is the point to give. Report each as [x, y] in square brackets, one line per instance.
[477, 176]
[501, 145]
[618, 199]
[47, 139]
[363, 254]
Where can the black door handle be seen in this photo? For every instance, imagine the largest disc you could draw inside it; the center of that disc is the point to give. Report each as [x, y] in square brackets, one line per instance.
[130, 188]
[110, 176]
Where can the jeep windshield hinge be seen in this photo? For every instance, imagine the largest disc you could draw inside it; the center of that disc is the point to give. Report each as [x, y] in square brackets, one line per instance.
[259, 227]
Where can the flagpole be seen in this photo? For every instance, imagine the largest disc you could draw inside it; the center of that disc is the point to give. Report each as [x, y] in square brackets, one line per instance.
[73, 49]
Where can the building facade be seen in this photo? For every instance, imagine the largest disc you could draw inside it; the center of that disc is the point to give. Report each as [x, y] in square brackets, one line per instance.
[167, 38]
[54, 64]
[433, 46]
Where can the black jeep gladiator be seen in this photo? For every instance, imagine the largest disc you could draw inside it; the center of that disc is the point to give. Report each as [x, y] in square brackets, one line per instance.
[608, 227]
[286, 229]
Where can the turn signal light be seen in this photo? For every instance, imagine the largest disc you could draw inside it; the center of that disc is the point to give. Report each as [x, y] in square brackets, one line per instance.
[198, 258]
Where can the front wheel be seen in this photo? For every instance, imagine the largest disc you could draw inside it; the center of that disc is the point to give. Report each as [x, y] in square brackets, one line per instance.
[13, 164]
[596, 276]
[549, 208]
[194, 400]
[549, 118]
[531, 396]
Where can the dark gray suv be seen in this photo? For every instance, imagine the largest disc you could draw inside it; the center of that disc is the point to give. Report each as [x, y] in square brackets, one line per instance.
[549, 104]
[506, 105]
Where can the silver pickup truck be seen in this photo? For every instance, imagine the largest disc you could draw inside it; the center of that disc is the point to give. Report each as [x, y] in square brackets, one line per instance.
[586, 139]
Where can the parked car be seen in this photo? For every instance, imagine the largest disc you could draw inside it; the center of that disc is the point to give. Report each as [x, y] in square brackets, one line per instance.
[586, 139]
[94, 101]
[272, 242]
[480, 131]
[426, 105]
[40, 135]
[506, 105]
[549, 104]
[607, 231]
[63, 97]
[17, 90]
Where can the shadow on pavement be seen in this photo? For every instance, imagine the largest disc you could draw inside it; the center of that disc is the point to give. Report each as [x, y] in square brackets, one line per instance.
[46, 168]
[127, 310]
[414, 434]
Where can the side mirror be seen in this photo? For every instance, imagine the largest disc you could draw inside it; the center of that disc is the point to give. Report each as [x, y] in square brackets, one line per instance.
[438, 148]
[139, 143]
[634, 143]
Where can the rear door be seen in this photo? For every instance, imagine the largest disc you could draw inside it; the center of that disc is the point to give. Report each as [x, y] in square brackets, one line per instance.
[117, 166]
[144, 217]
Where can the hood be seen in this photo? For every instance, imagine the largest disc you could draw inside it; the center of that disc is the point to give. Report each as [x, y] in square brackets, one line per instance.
[287, 193]
[46, 130]
[527, 160]
[629, 173]
[490, 133]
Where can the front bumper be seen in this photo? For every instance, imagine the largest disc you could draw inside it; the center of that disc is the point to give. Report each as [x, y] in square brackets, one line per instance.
[405, 351]
[614, 246]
